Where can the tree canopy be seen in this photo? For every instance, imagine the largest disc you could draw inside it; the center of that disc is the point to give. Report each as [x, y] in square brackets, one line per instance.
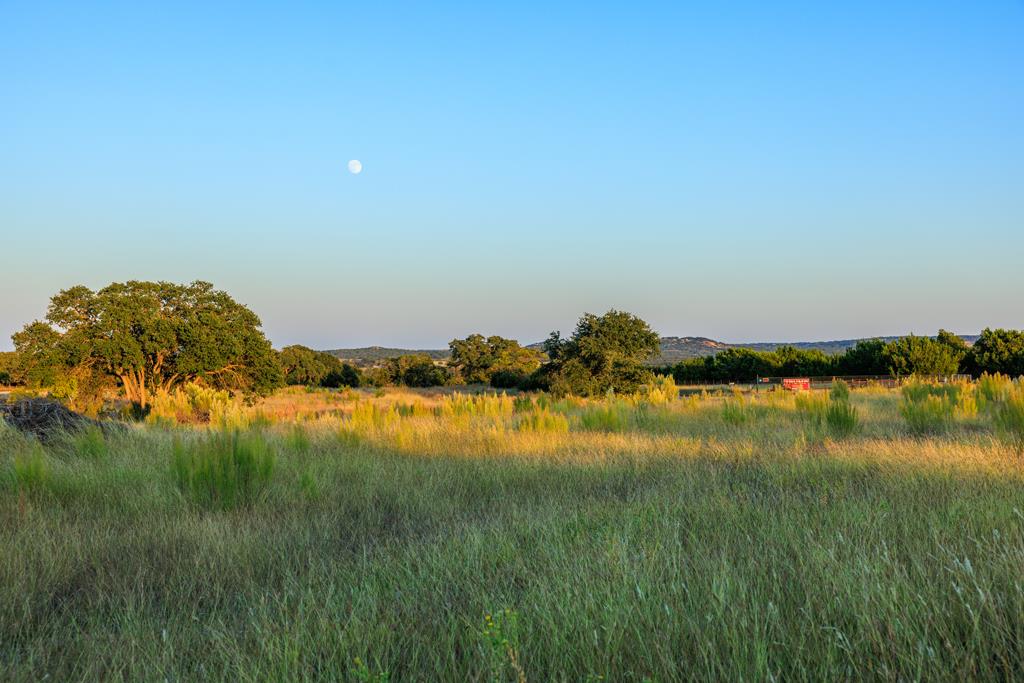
[998, 351]
[913, 355]
[150, 336]
[605, 352]
[411, 370]
[866, 357]
[8, 367]
[302, 365]
[477, 360]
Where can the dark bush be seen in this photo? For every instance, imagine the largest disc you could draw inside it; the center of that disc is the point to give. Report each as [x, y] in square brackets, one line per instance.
[346, 376]
[508, 379]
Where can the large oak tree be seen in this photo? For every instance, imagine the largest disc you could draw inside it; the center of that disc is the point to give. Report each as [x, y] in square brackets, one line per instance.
[151, 336]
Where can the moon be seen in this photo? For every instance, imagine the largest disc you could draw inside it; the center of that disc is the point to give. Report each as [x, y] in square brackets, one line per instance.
[355, 167]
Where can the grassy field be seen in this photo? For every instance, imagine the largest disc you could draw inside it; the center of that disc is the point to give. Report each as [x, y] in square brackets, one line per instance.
[404, 536]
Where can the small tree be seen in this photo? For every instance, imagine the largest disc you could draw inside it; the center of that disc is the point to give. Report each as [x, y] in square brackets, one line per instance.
[997, 351]
[957, 347]
[345, 376]
[605, 352]
[303, 365]
[866, 357]
[912, 355]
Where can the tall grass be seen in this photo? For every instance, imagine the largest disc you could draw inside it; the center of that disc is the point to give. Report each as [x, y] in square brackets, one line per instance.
[223, 470]
[840, 391]
[929, 408]
[543, 421]
[992, 390]
[609, 416]
[1009, 417]
[735, 412]
[841, 418]
[30, 469]
[90, 443]
[487, 543]
[828, 413]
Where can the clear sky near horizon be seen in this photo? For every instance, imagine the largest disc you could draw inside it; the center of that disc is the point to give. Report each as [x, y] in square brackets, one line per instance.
[745, 171]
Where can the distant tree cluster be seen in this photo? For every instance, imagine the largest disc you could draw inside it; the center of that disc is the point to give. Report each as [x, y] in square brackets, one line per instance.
[302, 365]
[605, 353]
[497, 361]
[945, 354]
[147, 337]
[411, 370]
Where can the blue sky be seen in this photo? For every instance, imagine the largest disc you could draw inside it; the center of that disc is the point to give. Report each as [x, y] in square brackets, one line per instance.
[742, 170]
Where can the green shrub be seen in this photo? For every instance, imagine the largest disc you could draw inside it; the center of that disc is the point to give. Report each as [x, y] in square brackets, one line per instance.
[840, 391]
[734, 412]
[811, 407]
[841, 418]
[610, 417]
[522, 404]
[224, 469]
[1009, 418]
[918, 392]
[991, 390]
[507, 379]
[543, 421]
[928, 415]
[31, 469]
[929, 408]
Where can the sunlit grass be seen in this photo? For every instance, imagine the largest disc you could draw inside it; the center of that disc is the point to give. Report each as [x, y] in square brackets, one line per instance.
[430, 536]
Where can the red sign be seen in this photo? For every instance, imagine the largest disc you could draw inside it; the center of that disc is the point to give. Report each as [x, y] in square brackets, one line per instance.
[797, 384]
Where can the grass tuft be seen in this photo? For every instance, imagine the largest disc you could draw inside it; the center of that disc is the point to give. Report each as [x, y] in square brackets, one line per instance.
[224, 469]
[1009, 417]
[90, 443]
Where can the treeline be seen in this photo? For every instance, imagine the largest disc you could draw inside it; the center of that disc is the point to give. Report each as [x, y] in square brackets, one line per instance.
[946, 354]
[145, 338]
[499, 362]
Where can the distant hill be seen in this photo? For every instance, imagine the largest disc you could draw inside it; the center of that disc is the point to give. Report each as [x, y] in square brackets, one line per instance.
[673, 349]
[371, 355]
